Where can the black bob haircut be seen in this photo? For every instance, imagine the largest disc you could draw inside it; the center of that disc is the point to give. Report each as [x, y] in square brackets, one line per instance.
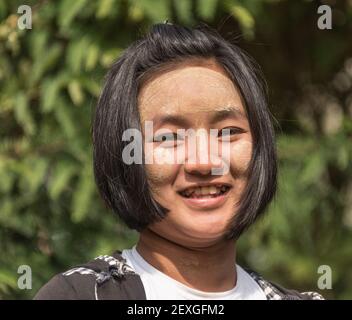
[124, 188]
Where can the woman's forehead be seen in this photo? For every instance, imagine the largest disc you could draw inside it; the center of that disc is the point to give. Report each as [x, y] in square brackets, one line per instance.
[188, 90]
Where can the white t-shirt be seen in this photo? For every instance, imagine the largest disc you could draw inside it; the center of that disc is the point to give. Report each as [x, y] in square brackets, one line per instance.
[159, 286]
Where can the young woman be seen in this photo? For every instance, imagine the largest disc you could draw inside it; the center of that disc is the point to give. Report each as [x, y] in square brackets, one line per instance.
[192, 108]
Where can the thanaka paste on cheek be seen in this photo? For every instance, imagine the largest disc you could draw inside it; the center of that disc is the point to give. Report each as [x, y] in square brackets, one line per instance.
[160, 175]
[241, 154]
[156, 177]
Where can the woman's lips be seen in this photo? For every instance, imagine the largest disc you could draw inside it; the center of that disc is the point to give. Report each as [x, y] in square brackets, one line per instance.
[206, 203]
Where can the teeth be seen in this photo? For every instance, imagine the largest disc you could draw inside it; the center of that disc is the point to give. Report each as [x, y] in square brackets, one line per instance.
[201, 191]
[213, 190]
[204, 190]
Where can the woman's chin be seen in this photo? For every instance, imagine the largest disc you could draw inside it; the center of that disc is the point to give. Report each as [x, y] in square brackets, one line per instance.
[203, 235]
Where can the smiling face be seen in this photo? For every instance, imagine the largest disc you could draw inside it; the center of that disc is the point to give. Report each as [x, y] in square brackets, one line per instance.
[198, 95]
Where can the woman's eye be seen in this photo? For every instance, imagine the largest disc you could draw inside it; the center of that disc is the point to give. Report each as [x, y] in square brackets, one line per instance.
[230, 131]
[167, 137]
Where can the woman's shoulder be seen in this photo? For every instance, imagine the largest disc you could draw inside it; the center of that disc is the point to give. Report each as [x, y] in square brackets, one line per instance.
[105, 277]
[274, 291]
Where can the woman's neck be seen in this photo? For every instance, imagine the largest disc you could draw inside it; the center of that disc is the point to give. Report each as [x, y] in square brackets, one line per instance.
[210, 269]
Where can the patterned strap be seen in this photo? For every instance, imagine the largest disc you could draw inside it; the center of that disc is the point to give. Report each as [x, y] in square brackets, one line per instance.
[273, 293]
[118, 268]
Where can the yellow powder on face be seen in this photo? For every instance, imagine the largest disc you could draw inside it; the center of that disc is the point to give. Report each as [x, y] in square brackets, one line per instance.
[158, 174]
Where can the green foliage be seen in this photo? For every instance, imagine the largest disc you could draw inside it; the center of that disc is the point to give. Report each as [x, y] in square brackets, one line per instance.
[50, 77]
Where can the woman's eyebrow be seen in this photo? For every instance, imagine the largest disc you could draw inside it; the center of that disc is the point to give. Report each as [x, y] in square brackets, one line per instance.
[176, 120]
[216, 116]
[228, 112]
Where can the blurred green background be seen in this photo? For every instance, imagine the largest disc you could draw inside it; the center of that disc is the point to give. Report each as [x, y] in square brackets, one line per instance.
[51, 217]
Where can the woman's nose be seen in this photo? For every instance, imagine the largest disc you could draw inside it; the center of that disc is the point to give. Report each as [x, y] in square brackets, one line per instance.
[201, 158]
[199, 168]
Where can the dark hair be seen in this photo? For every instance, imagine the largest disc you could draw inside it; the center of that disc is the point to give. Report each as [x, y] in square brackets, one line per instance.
[123, 187]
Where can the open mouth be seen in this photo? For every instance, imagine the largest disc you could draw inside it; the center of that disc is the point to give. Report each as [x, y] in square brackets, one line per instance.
[204, 192]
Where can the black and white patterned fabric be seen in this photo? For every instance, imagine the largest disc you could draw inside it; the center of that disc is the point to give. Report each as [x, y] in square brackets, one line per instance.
[273, 293]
